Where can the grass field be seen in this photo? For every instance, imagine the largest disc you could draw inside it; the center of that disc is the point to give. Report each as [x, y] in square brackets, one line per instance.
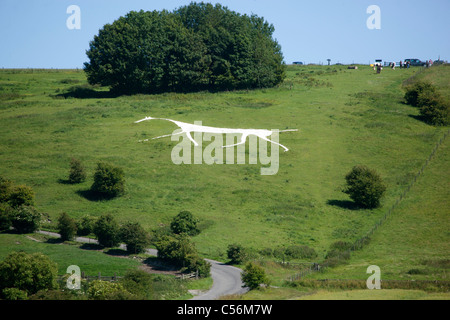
[345, 117]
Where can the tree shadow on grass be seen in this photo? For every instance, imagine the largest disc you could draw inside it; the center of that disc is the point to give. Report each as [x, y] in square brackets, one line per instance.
[85, 91]
[117, 252]
[91, 246]
[344, 204]
[93, 195]
[160, 265]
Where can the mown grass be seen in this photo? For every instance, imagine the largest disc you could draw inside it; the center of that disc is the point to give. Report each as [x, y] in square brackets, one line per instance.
[345, 117]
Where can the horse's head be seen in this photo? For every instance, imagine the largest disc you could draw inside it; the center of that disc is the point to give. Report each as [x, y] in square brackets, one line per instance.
[145, 119]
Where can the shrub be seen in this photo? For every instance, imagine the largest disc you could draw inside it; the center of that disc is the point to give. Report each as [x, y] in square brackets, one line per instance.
[436, 113]
[300, 252]
[5, 217]
[414, 91]
[181, 252]
[6, 187]
[139, 283]
[67, 227]
[21, 196]
[135, 237]
[253, 276]
[77, 172]
[185, 222]
[104, 290]
[25, 219]
[433, 109]
[109, 180]
[14, 294]
[365, 187]
[237, 254]
[28, 272]
[107, 230]
[85, 226]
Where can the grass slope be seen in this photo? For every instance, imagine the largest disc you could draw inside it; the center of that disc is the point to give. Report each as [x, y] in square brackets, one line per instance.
[345, 117]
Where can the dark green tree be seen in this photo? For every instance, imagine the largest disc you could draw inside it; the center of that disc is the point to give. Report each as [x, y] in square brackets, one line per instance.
[25, 219]
[109, 181]
[21, 196]
[77, 172]
[67, 227]
[365, 186]
[135, 237]
[185, 222]
[28, 272]
[254, 276]
[196, 47]
[107, 231]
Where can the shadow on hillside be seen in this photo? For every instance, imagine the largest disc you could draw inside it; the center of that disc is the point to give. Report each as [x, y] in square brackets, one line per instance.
[117, 252]
[156, 264]
[93, 196]
[91, 246]
[344, 204]
[85, 92]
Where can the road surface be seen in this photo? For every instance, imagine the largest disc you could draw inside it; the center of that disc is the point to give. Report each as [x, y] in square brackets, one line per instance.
[226, 279]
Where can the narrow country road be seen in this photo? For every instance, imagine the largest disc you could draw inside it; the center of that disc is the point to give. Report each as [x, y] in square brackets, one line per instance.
[226, 279]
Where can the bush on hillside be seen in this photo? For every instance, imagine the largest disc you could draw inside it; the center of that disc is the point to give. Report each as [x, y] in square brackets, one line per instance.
[135, 237]
[109, 180]
[196, 47]
[77, 173]
[25, 219]
[181, 252]
[433, 108]
[254, 276]
[107, 230]
[21, 196]
[67, 227]
[365, 187]
[414, 91]
[28, 272]
[185, 222]
[85, 226]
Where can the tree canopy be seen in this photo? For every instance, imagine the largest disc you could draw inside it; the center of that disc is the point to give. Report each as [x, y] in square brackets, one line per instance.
[196, 47]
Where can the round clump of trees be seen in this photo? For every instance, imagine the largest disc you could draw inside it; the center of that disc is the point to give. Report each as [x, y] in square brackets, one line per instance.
[196, 47]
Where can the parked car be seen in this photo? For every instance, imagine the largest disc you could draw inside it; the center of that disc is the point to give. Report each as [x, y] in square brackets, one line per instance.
[415, 62]
[298, 62]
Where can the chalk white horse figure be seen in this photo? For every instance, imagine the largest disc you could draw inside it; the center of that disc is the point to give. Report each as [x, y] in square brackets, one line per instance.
[188, 128]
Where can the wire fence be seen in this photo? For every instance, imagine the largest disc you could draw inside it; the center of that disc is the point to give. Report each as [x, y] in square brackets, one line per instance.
[359, 243]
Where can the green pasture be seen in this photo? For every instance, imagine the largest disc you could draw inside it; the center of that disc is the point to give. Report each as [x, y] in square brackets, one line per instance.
[344, 117]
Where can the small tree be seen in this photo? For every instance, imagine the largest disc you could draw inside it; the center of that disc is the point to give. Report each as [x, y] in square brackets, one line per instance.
[67, 227]
[107, 230]
[254, 276]
[77, 172]
[135, 237]
[185, 222]
[21, 196]
[28, 272]
[109, 180]
[5, 217]
[6, 188]
[105, 290]
[25, 219]
[414, 91]
[365, 187]
[85, 226]
[237, 253]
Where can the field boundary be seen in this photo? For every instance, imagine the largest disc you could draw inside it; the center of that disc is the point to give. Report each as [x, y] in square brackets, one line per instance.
[359, 243]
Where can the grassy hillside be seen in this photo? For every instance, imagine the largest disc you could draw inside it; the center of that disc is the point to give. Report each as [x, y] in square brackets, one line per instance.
[345, 117]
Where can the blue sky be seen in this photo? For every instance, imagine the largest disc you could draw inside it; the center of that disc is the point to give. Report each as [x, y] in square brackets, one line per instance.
[34, 32]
